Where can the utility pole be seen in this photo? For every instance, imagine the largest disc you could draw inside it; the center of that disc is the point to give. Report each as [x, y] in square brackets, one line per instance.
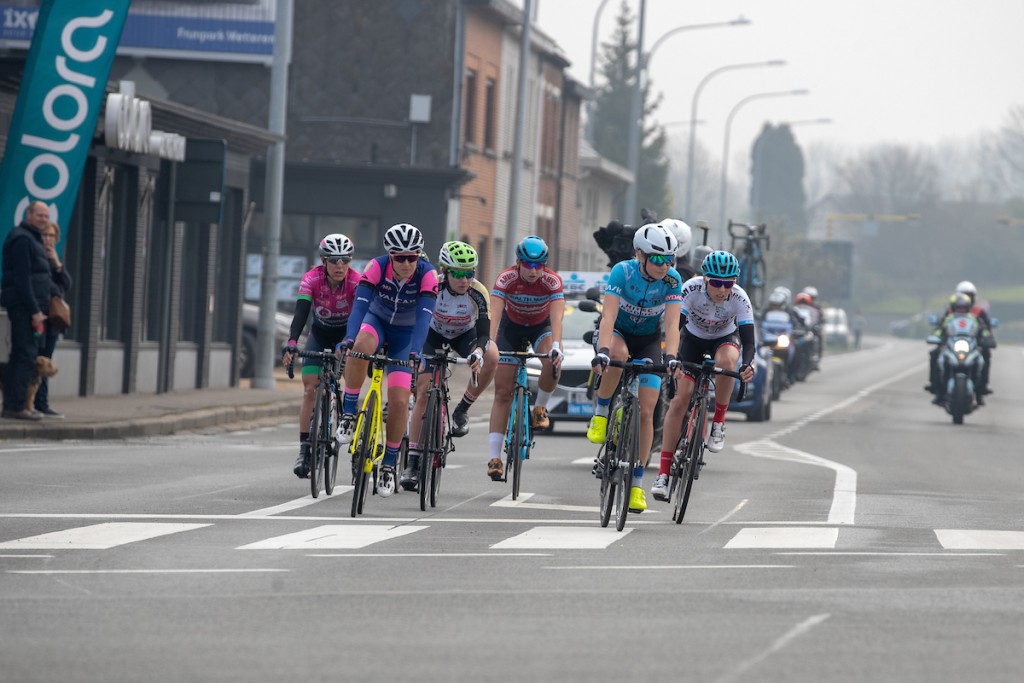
[517, 141]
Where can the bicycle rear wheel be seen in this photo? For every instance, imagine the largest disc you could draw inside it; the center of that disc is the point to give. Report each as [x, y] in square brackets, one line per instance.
[519, 439]
[317, 430]
[333, 448]
[437, 462]
[629, 435]
[610, 472]
[695, 429]
[757, 281]
[362, 445]
[428, 447]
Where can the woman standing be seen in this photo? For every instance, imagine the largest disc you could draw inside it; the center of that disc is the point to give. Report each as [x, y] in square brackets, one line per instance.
[60, 283]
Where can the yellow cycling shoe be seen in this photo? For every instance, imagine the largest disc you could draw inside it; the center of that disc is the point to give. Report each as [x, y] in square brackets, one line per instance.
[637, 500]
[597, 429]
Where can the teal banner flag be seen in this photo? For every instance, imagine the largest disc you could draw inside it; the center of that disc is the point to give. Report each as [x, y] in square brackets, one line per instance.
[58, 104]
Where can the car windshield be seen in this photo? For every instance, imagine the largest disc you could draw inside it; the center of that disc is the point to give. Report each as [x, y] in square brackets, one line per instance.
[575, 323]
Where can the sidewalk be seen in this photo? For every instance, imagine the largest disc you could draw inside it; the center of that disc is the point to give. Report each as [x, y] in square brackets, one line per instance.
[134, 415]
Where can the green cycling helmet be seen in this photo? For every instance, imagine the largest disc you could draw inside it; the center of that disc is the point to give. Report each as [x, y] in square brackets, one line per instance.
[458, 255]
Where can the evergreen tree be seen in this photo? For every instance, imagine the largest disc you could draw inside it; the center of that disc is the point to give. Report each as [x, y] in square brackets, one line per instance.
[613, 105]
[777, 178]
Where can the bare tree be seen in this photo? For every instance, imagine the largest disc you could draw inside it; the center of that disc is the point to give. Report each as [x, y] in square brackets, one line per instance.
[889, 179]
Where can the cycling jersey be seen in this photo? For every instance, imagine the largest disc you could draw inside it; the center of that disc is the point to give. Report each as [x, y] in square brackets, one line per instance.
[393, 302]
[708, 320]
[331, 307]
[642, 301]
[455, 314]
[527, 304]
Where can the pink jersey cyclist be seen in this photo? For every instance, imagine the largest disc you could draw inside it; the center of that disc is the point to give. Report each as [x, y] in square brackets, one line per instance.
[527, 303]
[331, 304]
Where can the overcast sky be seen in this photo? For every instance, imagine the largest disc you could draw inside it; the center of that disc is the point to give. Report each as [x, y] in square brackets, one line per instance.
[885, 71]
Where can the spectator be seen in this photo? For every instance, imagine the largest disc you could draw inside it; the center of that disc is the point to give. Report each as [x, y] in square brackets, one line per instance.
[60, 283]
[25, 293]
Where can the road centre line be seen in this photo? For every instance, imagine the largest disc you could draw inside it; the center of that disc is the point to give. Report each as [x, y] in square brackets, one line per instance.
[145, 571]
[791, 635]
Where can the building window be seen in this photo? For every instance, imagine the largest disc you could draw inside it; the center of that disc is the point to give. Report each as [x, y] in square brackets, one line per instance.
[470, 97]
[490, 106]
[121, 196]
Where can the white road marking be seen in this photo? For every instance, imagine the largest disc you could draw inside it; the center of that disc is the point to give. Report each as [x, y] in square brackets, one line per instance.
[812, 537]
[979, 539]
[794, 633]
[143, 571]
[507, 502]
[635, 567]
[98, 536]
[566, 538]
[335, 536]
[891, 554]
[443, 555]
[725, 518]
[37, 556]
[295, 504]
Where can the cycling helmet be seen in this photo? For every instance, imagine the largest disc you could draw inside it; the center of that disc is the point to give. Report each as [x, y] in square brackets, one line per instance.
[804, 298]
[811, 292]
[777, 299]
[967, 287]
[403, 237]
[682, 232]
[457, 255]
[532, 248]
[787, 295]
[960, 302]
[336, 244]
[655, 238]
[720, 264]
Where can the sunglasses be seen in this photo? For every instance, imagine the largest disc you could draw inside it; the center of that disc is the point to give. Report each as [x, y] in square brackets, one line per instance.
[405, 258]
[460, 274]
[335, 260]
[660, 259]
[532, 265]
[721, 283]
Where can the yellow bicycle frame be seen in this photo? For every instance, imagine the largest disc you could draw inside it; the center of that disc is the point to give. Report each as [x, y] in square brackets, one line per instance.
[376, 421]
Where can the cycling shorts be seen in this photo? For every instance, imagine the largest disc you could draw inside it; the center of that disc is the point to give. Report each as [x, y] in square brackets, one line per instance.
[641, 346]
[318, 340]
[462, 344]
[398, 339]
[692, 349]
[513, 337]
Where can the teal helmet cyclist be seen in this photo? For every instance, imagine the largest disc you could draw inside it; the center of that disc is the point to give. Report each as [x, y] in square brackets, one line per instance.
[457, 255]
[532, 248]
[720, 264]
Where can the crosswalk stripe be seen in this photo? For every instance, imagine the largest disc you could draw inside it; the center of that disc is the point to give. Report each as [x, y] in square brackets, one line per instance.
[335, 536]
[784, 537]
[980, 539]
[562, 537]
[99, 536]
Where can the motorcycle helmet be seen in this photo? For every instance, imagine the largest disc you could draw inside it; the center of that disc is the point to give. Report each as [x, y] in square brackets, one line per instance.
[804, 298]
[655, 238]
[336, 244]
[777, 299]
[458, 255]
[720, 264]
[811, 292]
[403, 237]
[785, 293]
[967, 287]
[682, 232]
[532, 248]
[960, 303]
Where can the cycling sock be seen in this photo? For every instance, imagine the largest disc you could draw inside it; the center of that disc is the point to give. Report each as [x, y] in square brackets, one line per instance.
[666, 463]
[495, 440]
[720, 410]
[638, 475]
[303, 437]
[468, 399]
[542, 397]
[350, 402]
[603, 404]
[390, 453]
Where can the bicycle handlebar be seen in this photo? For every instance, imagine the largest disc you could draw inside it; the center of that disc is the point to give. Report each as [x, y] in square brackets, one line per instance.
[441, 356]
[714, 370]
[320, 355]
[523, 356]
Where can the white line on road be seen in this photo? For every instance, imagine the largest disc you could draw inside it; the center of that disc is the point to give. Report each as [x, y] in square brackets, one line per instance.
[811, 537]
[561, 537]
[333, 536]
[98, 536]
[37, 556]
[980, 539]
[634, 567]
[795, 632]
[826, 553]
[507, 502]
[445, 555]
[143, 571]
[295, 504]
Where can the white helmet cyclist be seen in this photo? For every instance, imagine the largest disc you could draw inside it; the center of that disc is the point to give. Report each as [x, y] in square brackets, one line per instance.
[655, 238]
[682, 232]
[403, 237]
[335, 245]
[967, 287]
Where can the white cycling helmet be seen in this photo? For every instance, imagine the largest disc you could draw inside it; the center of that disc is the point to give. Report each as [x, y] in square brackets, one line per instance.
[403, 237]
[682, 232]
[655, 238]
[336, 244]
[811, 291]
[967, 287]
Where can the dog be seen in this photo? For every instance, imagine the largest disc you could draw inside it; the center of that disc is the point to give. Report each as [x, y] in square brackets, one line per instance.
[44, 368]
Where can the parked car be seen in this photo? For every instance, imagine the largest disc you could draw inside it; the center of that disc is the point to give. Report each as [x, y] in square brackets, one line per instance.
[757, 402]
[836, 328]
[250, 327]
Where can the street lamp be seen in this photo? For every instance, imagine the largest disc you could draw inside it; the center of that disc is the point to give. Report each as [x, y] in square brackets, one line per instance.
[636, 116]
[755, 202]
[593, 69]
[725, 149]
[693, 117]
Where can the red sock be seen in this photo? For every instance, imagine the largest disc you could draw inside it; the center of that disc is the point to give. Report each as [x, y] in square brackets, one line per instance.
[720, 409]
[666, 463]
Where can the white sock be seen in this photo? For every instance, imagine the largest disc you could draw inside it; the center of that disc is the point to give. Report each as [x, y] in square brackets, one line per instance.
[496, 440]
[543, 397]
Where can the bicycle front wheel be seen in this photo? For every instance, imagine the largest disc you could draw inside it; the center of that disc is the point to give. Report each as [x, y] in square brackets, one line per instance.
[319, 424]
[428, 447]
[608, 467]
[362, 449]
[332, 448]
[437, 462]
[628, 458]
[519, 438]
[695, 428]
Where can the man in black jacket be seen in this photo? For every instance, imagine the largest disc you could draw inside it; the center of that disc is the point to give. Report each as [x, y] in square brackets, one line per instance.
[25, 293]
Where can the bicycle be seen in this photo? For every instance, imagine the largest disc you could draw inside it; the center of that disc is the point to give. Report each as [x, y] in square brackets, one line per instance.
[518, 434]
[436, 440]
[369, 436]
[688, 456]
[323, 423]
[620, 452]
[753, 272]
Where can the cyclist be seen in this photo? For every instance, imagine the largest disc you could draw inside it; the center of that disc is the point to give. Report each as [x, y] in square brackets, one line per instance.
[527, 303]
[640, 293]
[986, 342]
[460, 321]
[328, 290]
[684, 238]
[718, 320]
[394, 304]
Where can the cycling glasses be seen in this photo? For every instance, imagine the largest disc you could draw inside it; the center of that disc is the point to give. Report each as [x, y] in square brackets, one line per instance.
[660, 259]
[460, 274]
[532, 265]
[721, 283]
[405, 258]
[335, 260]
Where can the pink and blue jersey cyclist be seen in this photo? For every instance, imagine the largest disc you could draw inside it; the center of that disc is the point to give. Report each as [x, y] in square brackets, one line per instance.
[394, 304]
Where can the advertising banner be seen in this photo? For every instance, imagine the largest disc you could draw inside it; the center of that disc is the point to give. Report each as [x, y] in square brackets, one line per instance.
[58, 104]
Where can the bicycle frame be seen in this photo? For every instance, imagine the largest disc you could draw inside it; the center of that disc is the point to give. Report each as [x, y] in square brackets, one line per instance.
[518, 431]
[323, 421]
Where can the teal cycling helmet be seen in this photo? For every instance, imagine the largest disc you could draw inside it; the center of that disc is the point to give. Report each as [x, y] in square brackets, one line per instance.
[720, 264]
[532, 248]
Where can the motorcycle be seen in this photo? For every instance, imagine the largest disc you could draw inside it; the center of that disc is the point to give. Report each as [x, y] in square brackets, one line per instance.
[960, 364]
[777, 334]
[812, 321]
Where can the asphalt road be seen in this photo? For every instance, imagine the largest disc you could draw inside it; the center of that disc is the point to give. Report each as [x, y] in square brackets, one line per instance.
[857, 536]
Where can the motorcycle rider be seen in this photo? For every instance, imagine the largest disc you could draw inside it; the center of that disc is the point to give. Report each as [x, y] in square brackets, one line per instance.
[959, 305]
[986, 342]
[684, 236]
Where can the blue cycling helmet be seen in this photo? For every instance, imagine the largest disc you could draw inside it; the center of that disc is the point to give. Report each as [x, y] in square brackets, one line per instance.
[532, 248]
[720, 264]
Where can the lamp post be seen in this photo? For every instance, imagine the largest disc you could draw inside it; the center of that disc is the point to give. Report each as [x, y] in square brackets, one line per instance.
[691, 150]
[593, 70]
[725, 149]
[636, 115]
[755, 202]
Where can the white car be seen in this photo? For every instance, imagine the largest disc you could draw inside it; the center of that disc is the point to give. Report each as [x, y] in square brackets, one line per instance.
[836, 328]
